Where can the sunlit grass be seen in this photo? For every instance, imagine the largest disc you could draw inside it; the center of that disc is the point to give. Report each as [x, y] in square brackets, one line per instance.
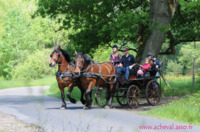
[179, 86]
[185, 110]
[54, 91]
[47, 81]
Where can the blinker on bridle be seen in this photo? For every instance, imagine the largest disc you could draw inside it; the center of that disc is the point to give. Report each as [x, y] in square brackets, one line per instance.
[80, 56]
[59, 54]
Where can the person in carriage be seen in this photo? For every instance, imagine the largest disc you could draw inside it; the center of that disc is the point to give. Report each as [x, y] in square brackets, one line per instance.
[127, 62]
[146, 65]
[144, 68]
[154, 62]
[115, 56]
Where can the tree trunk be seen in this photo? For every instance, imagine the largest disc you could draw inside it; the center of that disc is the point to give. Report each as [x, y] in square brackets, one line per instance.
[161, 13]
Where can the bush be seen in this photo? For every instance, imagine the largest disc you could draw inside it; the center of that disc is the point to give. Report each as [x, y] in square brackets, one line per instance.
[34, 67]
[174, 68]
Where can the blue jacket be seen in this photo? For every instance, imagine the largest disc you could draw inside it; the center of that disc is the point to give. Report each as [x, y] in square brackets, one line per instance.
[157, 62]
[127, 61]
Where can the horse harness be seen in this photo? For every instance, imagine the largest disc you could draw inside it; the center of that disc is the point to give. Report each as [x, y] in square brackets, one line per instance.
[97, 75]
[64, 74]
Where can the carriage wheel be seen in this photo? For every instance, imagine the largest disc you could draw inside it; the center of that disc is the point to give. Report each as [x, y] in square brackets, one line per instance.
[101, 96]
[133, 96]
[121, 97]
[153, 92]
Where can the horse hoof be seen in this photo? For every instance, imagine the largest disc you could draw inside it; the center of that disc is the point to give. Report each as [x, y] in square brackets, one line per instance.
[62, 108]
[83, 102]
[107, 107]
[86, 108]
[73, 101]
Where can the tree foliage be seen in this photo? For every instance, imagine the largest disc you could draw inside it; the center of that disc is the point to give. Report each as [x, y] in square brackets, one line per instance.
[100, 22]
[21, 35]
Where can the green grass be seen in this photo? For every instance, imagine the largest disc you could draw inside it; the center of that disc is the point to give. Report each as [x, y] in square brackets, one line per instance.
[47, 81]
[185, 110]
[180, 86]
[54, 91]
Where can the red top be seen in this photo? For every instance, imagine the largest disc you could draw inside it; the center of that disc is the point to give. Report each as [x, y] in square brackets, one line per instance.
[146, 67]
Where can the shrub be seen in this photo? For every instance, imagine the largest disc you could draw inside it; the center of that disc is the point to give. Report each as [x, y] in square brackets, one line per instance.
[34, 67]
[174, 68]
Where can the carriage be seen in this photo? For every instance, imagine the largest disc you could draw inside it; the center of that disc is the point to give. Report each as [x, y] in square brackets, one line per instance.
[130, 94]
[85, 71]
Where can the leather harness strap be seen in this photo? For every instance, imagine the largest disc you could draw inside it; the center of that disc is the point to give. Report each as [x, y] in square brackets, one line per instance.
[97, 75]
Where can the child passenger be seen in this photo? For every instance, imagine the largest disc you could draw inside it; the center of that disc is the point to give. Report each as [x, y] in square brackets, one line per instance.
[146, 65]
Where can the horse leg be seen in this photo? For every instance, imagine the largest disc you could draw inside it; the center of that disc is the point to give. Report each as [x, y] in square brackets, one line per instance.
[72, 100]
[109, 105]
[90, 101]
[63, 99]
[88, 96]
[83, 101]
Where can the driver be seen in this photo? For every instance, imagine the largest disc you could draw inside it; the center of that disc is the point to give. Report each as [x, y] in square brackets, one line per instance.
[126, 64]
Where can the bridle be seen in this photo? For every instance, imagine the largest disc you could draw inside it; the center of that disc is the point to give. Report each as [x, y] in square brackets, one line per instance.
[92, 63]
[83, 61]
[59, 55]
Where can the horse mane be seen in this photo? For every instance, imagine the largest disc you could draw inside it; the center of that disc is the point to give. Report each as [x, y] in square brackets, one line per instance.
[85, 56]
[66, 55]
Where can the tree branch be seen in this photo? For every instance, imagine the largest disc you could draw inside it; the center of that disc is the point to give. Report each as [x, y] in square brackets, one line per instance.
[120, 49]
[180, 14]
[173, 43]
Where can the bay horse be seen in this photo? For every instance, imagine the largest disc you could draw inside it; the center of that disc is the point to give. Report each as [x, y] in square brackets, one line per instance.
[64, 75]
[95, 74]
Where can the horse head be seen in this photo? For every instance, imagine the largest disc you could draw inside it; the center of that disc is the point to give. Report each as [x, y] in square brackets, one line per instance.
[79, 63]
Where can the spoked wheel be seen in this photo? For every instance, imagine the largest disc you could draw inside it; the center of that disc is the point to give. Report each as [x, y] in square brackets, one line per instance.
[133, 96]
[121, 96]
[153, 92]
[101, 96]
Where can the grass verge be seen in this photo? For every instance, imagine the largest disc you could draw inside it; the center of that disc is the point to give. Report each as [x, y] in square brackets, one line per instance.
[47, 81]
[54, 91]
[179, 86]
[185, 110]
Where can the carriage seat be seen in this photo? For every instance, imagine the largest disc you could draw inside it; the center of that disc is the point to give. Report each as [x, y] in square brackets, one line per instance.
[150, 73]
[132, 75]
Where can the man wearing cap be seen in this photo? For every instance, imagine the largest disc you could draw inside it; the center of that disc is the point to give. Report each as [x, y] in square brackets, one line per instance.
[115, 57]
[127, 62]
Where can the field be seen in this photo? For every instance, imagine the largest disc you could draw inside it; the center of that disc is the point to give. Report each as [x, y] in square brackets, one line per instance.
[185, 107]
[47, 81]
[181, 85]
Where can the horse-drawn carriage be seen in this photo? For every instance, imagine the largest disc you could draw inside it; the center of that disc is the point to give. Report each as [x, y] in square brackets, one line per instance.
[131, 93]
[85, 74]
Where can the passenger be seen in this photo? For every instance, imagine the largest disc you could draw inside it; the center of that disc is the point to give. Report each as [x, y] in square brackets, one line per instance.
[156, 61]
[153, 67]
[115, 57]
[126, 64]
[146, 65]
